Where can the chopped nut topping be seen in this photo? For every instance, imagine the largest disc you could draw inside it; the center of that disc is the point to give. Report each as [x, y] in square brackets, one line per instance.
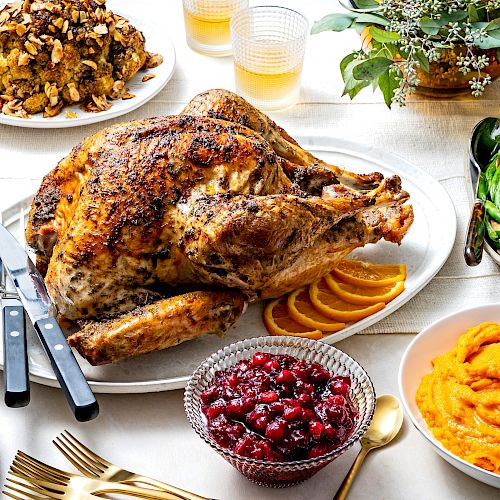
[26, 18]
[31, 48]
[51, 90]
[23, 59]
[71, 114]
[128, 95]
[4, 16]
[70, 35]
[73, 92]
[57, 52]
[83, 16]
[58, 23]
[14, 108]
[153, 60]
[75, 15]
[91, 64]
[65, 26]
[101, 29]
[118, 89]
[33, 39]
[21, 29]
[98, 103]
[147, 77]
[53, 110]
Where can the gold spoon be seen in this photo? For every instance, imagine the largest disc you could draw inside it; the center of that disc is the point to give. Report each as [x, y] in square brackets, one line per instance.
[385, 425]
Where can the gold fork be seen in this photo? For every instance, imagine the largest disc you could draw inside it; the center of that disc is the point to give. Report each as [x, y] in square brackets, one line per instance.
[42, 493]
[65, 483]
[94, 466]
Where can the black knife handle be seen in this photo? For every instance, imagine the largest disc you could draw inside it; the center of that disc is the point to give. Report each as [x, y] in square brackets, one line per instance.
[473, 252]
[15, 357]
[68, 372]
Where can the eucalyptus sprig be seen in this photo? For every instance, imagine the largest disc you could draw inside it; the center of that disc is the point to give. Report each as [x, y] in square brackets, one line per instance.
[402, 36]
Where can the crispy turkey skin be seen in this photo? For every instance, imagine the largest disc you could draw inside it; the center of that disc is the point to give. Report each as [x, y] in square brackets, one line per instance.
[196, 203]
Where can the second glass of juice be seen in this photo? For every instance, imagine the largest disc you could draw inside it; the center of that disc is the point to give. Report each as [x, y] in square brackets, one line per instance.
[268, 50]
[207, 24]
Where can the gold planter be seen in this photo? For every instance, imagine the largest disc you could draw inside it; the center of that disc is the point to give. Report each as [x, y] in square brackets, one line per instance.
[444, 78]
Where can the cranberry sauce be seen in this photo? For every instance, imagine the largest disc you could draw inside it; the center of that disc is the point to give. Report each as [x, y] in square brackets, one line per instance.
[279, 409]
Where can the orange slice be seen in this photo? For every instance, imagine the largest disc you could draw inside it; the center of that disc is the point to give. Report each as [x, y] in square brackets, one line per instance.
[334, 307]
[278, 322]
[301, 309]
[357, 272]
[364, 295]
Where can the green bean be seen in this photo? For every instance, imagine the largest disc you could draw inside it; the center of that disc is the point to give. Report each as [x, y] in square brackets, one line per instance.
[491, 169]
[492, 210]
[482, 188]
[493, 234]
[494, 188]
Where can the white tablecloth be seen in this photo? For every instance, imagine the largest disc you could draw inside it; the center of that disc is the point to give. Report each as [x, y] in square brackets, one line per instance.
[149, 432]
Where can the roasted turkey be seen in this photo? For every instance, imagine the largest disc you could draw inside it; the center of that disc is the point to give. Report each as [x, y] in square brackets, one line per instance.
[163, 229]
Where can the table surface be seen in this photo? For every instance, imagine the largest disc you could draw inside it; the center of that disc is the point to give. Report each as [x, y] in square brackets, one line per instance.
[149, 433]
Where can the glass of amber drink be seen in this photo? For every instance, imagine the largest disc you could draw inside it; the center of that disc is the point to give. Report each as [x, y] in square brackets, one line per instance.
[268, 49]
[207, 24]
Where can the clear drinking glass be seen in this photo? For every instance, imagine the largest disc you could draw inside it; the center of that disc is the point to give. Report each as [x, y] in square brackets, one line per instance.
[207, 24]
[268, 49]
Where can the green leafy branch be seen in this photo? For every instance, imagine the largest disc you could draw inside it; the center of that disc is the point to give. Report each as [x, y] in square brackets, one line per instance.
[403, 36]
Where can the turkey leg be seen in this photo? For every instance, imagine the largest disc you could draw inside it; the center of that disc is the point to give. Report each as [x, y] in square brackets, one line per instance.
[246, 242]
[163, 324]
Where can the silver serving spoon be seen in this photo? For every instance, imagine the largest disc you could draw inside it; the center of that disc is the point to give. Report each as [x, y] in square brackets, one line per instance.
[385, 425]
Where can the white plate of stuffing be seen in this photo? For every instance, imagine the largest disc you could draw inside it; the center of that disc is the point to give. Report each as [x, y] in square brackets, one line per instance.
[130, 95]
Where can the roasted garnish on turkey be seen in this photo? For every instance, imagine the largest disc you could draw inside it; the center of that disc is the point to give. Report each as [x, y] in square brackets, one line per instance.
[66, 52]
[214, 200]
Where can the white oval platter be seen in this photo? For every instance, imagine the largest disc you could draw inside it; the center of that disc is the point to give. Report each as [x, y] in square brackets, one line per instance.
[424, 250]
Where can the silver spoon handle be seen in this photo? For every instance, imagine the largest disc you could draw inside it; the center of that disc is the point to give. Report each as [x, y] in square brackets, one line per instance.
[349, 479]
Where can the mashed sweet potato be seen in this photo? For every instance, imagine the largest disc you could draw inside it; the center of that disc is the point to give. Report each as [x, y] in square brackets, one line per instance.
[63, 52]
[460, 398]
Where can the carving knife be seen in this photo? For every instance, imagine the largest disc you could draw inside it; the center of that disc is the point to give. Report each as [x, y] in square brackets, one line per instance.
[15, 358]
[31, 290]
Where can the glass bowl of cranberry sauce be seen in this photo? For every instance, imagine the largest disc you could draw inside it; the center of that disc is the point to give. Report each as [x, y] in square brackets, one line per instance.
[280, 408]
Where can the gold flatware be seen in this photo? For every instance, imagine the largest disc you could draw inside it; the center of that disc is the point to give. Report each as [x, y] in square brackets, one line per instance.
[65, 483]
[94, 466]
[385, 425]
[18, 492]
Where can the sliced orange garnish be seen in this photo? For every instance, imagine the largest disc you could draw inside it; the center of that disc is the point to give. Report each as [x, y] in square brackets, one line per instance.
[278, 322]
[364, 295]
[334, 307]
[357, 272]
[301, 309]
